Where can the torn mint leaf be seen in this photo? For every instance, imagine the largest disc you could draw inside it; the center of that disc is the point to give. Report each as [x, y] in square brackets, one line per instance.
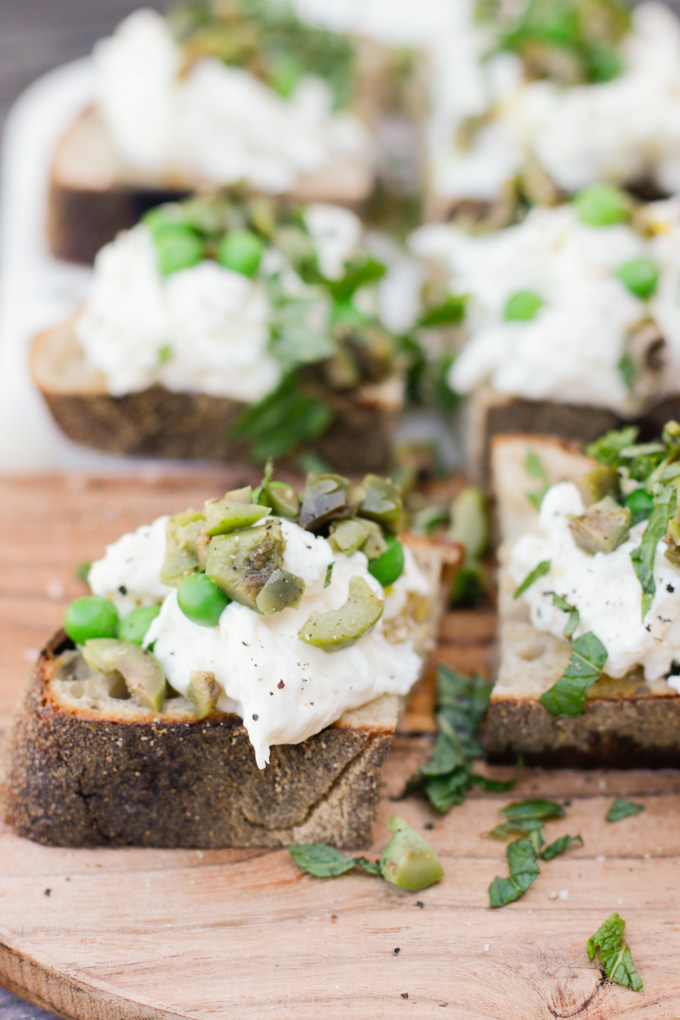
[539, 571]
[620, 808]
[568, 695]
[665, 503]
[558, 847]
[615, 956]
[524, 870]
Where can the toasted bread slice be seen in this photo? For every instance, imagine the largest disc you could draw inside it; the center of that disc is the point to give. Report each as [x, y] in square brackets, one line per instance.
[627, 722]
[85, 768]
[93, 196]
[156, 422]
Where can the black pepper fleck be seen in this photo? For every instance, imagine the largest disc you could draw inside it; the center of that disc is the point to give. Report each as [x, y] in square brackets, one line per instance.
[397, 951]
[670, 588]
[404, 995]
[429, 826]
[48, 892]
[419, 903]
[255, 717]
[123, 589]
[280, 685]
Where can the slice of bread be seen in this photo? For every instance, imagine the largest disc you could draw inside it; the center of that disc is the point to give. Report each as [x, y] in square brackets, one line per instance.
[627, 722]
[490, 414]
[85, 768]
[93, 196]
[156, 422]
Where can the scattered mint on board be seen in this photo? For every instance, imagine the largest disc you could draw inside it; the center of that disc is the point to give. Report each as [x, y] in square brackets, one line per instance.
[615, 958]
[620, 808]
[524, 870]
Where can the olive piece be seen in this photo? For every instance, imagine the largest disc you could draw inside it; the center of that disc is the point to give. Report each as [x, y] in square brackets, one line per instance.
[91, 617]
[326, 496]
[340, 628]
[388, 567]
[241, 563]
[639, 276]
[201, 600]
[177, 247]
[186, 546]
[596, 484]
[350, 534]
[203, 692]
[282, 590]
[223, 516]
[602, 205]
[283, 499]
[408, 861]
[140, 669]
[602, 528]
[381, 502]
[522, 306]
[241, 251]
[470, 522]
[134, 626]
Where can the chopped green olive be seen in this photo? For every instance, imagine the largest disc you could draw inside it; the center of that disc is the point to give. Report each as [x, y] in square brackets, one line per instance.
[140, 669]
[602, 528]
[241, 563]
[596, 484]
[282, 498]
[177, 247]
[602, 205]
[134, 626]
[522, 306]
[282, 590]
[326, 496]
[186, 546]
[223, 516]
[340, 628]
[381, 502]
[203, 692]
[349, 535]
[241, 251]
[408, 861]
[242, 495]
[201, 600]
[91, 617]
[640, 277]
[388, 567]
[470, 522]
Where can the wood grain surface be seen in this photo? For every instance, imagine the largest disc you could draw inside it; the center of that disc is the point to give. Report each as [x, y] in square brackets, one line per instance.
[141, 933]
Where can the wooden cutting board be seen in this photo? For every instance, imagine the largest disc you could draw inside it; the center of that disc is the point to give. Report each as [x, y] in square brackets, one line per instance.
[116, 934]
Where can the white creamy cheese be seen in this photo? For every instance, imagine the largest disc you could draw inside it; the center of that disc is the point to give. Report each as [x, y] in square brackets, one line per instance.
[129, 574]
[395, 22]
[336, 233]
[284, 689]
[604, 588]
[214, 121]
[570, 351]
[204, 329]
[622, 131]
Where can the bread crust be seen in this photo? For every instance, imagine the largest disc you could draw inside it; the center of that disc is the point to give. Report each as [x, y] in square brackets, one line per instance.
[626, 723]
[92, 196]
[156, 422]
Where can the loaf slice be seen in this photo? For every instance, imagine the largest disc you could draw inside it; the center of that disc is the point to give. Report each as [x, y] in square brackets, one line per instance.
[627, 722]
[92, 196]
[157, 422]
[85, 768]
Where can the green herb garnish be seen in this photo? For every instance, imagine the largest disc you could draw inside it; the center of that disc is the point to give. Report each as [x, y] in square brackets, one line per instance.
[643, 556]
[450, 312]
[620, 808]
[615, 956]
[283, 420]
[533, 465]
[559, 846]
[448, 774]
[607, 449]
[574, 616]
[532, 810]
[524, 870]
[325, 861]
[329, 574]
[568, 695]
[540, 570]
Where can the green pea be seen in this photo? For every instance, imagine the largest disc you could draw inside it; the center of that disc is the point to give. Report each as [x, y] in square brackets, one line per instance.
[134, 626]
[639, 276]
[602, 205]
[91, 617]
[241, 251]
[177, 247]
[640, 504]
[522, 306]
[201, 600]
[389, 566]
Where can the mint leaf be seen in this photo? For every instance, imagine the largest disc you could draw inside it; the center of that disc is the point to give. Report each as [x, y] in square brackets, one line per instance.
[515, 830]
[615, 957]
[450, 312]
[447, 776]
[370, 867]
[607, 448]
[329, 573]
[533, 465]
[524, 870]
[358, 273]
[568, 695]
[321, 860]
[574, 617]
[539, 571]
[559, 846]
[665, 503]
[627, 370]
[532, 810]
[283, 420]
[620, 808]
